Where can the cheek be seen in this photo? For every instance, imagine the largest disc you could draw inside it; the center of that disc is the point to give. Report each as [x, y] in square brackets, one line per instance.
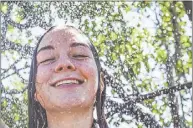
[89, 69]
[43, 94]
[43, 74]
[90, 72]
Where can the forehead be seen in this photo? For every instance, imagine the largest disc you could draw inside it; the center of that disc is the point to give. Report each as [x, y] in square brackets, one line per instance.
[61, 36]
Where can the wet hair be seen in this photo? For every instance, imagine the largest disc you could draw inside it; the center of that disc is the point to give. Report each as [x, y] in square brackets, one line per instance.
[37, 114]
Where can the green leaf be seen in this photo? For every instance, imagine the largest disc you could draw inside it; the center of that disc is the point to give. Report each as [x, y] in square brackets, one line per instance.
[188, 122]
[113, 91]
[179, 66]
[139, 126]
[19, 85]
[186, 45]
[113, 35]
[4, 8]
[25, 96]
[181, 14]
[184, 38]
[182, 23]
[147, 64]
[129, 48]
[127, 9]
[101, 38]
[167, 4]
[29, 41]
[10, 28]
[102, 49]
[4, 104]
[161, 120]
[18, 19]
[161, 55]
[114, 56]
[16, 117]
[165, 84]
[122, 49]
[169, 28]
[136, 68]
[17, 41]
[155, 111]
[178, 9]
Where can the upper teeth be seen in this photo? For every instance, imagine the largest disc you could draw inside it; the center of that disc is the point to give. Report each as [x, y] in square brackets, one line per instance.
[67, 82]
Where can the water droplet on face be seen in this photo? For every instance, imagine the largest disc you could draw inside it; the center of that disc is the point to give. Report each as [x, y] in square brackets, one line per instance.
[70, 49]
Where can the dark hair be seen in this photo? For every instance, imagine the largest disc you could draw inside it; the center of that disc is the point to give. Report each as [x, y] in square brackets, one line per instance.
[37, 114]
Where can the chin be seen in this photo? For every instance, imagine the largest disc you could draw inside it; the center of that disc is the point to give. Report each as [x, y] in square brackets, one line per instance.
[73, 104]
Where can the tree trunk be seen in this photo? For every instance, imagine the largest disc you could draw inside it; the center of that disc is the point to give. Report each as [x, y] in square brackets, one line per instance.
[188, 8]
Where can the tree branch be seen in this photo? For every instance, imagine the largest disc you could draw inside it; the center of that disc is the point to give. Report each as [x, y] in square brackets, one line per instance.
[171, 89]
[130, 108]
[18, 25]
[24, 50]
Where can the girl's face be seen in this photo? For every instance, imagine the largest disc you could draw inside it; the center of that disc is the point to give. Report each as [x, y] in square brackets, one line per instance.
[67, 75]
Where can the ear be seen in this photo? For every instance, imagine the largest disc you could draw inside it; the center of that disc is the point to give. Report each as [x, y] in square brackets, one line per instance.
[101, 82]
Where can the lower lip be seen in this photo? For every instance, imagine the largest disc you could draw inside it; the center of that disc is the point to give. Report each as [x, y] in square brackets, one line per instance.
[68, 86]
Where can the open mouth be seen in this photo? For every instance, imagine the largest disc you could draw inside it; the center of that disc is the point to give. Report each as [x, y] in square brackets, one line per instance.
[68, 82]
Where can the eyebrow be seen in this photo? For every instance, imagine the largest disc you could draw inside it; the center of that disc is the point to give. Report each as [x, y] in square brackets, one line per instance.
[79, 44]
[48, 47]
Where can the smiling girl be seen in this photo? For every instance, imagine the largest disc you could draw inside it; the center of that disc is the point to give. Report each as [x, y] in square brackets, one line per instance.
[66, 81]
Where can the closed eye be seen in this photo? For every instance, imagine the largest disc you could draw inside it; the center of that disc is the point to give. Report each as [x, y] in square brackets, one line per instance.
[47, 61]
[80, 56]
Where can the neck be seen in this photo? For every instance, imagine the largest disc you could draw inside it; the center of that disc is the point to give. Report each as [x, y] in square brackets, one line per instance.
[70, 119]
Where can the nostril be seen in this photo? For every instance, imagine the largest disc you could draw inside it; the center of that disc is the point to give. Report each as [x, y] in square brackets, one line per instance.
[63, 67]
[69, 67]
[60, 69]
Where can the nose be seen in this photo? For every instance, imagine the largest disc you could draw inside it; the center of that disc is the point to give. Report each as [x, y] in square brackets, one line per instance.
[63, 65]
